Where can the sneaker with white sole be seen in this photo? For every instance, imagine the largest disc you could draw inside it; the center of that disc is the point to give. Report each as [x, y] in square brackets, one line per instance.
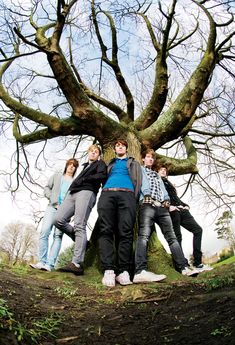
[71, 267]
[47, 268]
[189, 272]
[203, 267]
[37, 266]
[147, 277]
[124, 278]
[108, 278]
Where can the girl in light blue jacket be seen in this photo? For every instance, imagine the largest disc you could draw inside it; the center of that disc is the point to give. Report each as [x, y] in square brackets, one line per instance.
[55, 191]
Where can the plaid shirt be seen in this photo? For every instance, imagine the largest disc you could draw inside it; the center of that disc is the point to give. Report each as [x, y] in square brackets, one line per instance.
[155, 185]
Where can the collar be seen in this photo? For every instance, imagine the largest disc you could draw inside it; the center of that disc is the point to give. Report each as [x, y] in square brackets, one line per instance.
[122, 159]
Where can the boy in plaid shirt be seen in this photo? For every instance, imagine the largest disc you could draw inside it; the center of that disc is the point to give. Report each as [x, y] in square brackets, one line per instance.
[154, 207]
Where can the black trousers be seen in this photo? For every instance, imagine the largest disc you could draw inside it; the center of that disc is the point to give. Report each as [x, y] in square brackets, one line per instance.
[148, 216]
[185, 219]
[117, 215]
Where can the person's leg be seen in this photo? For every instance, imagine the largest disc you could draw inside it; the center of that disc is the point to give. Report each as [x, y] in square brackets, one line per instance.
[175, 218]
[163, 219]
[106, 208]
[85, 201]
[146, 227]
[176, 222]
[146, 221]
[64, 214]
[189, 223]
[55, 248]
[126, 222]
[46, 229]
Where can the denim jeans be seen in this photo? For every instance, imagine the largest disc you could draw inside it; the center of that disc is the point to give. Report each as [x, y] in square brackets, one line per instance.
[80, 205]
[148, 216]
[117, 215]
[185, 219]
[47, 226]
[55, 248]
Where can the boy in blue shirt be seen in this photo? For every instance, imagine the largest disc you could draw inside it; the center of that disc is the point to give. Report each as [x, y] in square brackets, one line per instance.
[117, 213]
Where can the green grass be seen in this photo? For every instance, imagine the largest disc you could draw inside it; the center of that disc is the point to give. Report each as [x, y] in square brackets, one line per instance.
[68, 291]
[39, 329]
[225, 262]
[20, 270]
[218, 282]
[223, 275]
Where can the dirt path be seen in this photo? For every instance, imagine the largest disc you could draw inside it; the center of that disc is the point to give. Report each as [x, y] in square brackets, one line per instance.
[77, 312]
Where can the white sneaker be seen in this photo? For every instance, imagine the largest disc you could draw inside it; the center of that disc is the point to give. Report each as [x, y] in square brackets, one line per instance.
[109, 278]
[38, 266]
[189, 272]
[147, 277]
[124, 278]
[202, 268]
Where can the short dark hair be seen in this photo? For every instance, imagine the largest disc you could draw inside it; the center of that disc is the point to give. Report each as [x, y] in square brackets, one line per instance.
[159, 166]
[121, 141]
[71, 161]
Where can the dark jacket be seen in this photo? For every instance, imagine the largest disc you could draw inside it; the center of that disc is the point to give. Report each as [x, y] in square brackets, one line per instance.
[135, 173]
[171, 190]
[90, 178]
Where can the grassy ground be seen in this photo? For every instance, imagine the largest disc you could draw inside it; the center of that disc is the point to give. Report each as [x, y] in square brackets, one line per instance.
[44, 308]
[225, 262]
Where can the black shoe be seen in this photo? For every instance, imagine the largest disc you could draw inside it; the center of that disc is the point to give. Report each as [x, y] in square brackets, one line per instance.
[71, 268]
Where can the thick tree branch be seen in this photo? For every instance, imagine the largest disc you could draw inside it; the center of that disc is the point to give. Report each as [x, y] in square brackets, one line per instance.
[160, 88]
[62, 12]
[183, 109]
[212, 35]
[181, 166]
[120, 113]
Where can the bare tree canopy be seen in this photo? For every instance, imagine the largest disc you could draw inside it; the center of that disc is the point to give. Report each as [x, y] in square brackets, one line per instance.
[158, 73]
[18, 241]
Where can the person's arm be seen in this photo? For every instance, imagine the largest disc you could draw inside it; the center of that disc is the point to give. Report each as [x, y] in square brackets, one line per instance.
[100, 174]
[163, 188]
[180, 203]
[145, 186]
[48, 187]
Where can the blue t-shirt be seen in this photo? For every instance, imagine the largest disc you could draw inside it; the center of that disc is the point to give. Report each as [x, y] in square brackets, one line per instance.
[119, 177]
[65, 183]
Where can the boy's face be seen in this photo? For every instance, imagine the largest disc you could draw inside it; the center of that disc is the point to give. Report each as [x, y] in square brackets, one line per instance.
[120, 149]
[70, 169]
[93, 154]
[148, 160]
[162, 172]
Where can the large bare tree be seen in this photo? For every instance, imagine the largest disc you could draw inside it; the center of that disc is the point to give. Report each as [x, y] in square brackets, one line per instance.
[19, 242]
[158, 73]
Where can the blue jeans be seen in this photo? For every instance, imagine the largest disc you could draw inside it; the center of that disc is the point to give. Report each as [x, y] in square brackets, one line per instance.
[148, 216]
[78, 205]
[47, 226]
